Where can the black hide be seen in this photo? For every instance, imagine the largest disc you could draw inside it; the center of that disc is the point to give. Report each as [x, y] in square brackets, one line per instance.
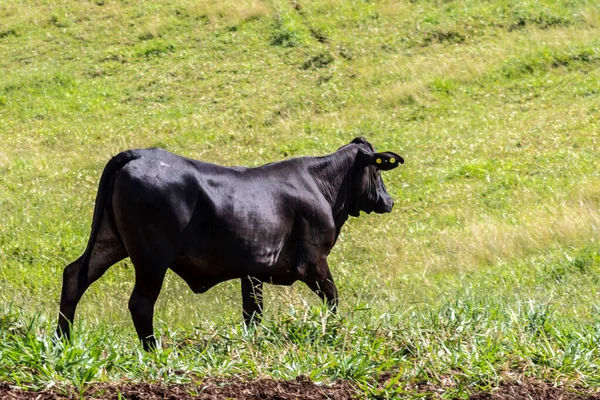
[208, 223]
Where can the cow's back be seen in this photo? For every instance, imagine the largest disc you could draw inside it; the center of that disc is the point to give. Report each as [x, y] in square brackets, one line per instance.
[220, 220]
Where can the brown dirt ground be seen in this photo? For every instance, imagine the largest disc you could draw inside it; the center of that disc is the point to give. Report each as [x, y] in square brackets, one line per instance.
[301, 388]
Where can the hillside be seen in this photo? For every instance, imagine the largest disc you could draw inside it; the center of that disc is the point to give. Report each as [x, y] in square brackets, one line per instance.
[487, 270]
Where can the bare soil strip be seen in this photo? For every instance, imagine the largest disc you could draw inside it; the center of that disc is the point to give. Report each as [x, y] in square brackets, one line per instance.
[535, 390]
[275, 389]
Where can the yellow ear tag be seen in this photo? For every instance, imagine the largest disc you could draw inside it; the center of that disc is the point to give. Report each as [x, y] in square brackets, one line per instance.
[378, 160]
[392, 160]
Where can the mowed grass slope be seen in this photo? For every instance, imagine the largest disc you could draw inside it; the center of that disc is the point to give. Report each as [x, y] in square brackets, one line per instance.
[487, 270]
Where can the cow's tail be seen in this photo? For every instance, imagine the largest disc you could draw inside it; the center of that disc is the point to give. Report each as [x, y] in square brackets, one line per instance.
[105, 188]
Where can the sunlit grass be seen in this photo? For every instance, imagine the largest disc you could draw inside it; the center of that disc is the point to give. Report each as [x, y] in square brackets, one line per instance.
[486, 270]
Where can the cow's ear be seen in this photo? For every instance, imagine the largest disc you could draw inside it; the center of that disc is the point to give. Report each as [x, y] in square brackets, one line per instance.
[383, 161]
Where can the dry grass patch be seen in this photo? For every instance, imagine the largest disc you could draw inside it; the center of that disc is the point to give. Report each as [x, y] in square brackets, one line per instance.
[393, 10]
[591, 16]
[230, 12]
[405, 93]
[153, 28]
[487, 240]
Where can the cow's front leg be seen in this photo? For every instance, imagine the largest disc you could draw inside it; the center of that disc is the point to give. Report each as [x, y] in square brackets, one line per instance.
[252, 300]
[321, 282]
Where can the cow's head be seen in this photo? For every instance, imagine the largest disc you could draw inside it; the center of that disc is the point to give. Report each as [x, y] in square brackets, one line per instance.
[367, 184]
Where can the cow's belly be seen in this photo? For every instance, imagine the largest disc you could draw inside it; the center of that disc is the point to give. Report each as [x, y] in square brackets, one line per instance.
[201, 272]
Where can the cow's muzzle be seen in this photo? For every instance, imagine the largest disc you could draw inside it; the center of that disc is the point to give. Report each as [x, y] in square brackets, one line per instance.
[384, 206]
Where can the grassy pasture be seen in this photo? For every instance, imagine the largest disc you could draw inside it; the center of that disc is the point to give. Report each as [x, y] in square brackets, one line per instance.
[487, 270]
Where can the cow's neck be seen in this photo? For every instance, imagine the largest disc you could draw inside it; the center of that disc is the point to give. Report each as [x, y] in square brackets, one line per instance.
[333, 174]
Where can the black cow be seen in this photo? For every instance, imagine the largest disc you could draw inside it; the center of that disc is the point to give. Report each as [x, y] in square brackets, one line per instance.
[275, 223]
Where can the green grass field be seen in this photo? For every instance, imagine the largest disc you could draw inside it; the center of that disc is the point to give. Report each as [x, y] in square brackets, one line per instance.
[486, 271]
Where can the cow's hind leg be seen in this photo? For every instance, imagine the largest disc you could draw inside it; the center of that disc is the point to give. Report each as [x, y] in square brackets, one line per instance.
[148, 282]
[252, 300]
[78, 277]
